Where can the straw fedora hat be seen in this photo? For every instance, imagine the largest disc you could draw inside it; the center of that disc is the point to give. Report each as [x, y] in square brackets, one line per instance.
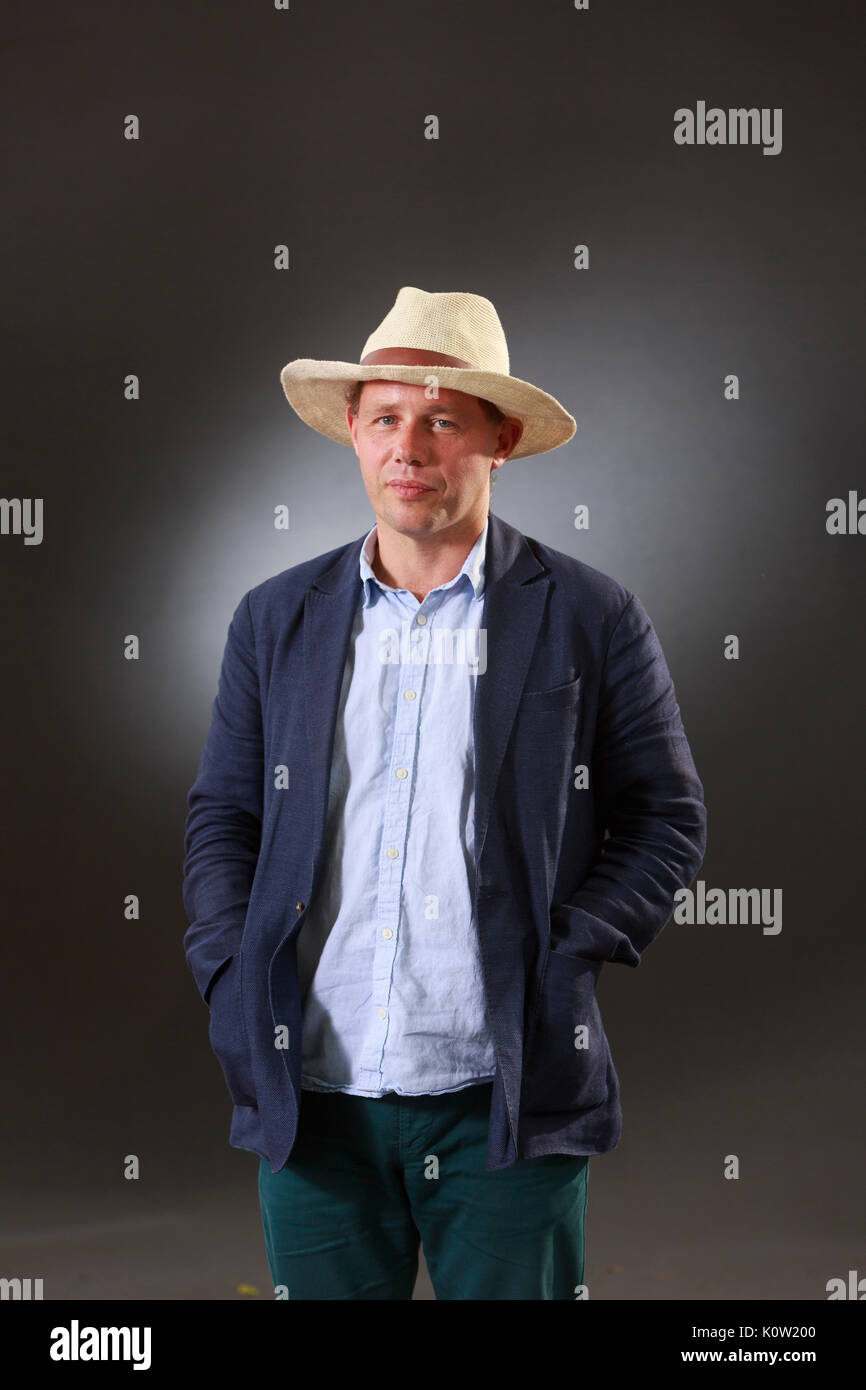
[464, 349]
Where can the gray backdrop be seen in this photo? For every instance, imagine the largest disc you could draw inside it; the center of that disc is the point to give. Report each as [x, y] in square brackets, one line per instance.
[155, 257]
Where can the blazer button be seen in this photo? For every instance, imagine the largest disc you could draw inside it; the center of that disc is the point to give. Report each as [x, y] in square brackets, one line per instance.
[299, 907]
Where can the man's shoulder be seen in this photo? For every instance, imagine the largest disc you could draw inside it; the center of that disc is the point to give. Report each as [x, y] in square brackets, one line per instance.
[579, 579]
[292, 584]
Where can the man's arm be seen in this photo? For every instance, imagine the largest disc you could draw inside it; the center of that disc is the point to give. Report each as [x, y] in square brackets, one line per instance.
[224, 823]
[649, 797]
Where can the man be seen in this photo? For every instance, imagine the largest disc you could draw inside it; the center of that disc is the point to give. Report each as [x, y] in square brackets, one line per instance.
[446, 779]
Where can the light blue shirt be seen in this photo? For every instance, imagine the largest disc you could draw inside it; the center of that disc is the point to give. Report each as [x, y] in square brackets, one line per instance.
[388, 960]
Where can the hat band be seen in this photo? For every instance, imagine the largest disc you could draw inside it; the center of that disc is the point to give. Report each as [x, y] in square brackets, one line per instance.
[411, 357]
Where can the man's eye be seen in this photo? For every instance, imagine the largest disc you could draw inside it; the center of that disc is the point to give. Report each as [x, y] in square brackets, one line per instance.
[439, 419]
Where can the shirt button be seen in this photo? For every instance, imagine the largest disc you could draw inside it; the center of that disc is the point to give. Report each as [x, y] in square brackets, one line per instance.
[382, 1013]
[387, 933]
[401, 773]
[392, 853]
[299, 907]
[408, 694]
[421, 619]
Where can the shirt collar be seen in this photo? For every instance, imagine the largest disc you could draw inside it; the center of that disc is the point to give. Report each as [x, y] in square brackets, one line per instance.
[473, 566]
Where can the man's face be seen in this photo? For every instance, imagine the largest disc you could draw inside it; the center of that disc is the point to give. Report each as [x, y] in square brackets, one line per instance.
[426, 464]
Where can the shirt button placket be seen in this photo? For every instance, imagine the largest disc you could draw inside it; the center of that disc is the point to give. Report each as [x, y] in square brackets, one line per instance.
[407, 715]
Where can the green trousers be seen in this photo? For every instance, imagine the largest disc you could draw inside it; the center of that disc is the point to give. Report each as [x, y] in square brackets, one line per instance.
[369, 1179]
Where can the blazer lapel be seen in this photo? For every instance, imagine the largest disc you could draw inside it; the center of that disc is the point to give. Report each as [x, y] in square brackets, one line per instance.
[329, 611]
[515, 592]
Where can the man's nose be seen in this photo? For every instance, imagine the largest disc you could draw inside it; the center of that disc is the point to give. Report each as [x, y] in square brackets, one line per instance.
[409, 446]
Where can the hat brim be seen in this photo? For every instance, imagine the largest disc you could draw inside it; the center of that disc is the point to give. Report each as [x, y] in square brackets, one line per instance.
[316, 391]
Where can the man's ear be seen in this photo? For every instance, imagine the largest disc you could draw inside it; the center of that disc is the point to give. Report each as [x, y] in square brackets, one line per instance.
[351, 425]
[512, 429]
[517, 435]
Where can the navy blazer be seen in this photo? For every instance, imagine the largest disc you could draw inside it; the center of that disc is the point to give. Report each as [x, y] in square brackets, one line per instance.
[568, 876]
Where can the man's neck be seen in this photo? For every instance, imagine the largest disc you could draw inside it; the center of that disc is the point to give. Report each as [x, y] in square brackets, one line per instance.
[422, 564]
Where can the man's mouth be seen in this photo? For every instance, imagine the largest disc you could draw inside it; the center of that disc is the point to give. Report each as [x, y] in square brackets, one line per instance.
[407, 489]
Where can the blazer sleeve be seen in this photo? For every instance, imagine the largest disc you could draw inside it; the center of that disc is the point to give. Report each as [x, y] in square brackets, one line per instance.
[224, 820]
[650, 799]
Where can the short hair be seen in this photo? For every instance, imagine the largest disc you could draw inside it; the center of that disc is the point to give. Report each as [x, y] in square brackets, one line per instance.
[353, 400]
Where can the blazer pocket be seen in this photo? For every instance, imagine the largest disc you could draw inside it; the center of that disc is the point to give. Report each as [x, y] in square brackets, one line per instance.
[566, 1061]
[558, 697]
[228, 1034]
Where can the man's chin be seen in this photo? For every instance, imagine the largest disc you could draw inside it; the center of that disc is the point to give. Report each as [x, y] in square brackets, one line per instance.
[407, 514]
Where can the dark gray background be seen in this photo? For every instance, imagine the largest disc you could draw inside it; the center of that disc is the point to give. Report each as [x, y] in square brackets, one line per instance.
[156, 257]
